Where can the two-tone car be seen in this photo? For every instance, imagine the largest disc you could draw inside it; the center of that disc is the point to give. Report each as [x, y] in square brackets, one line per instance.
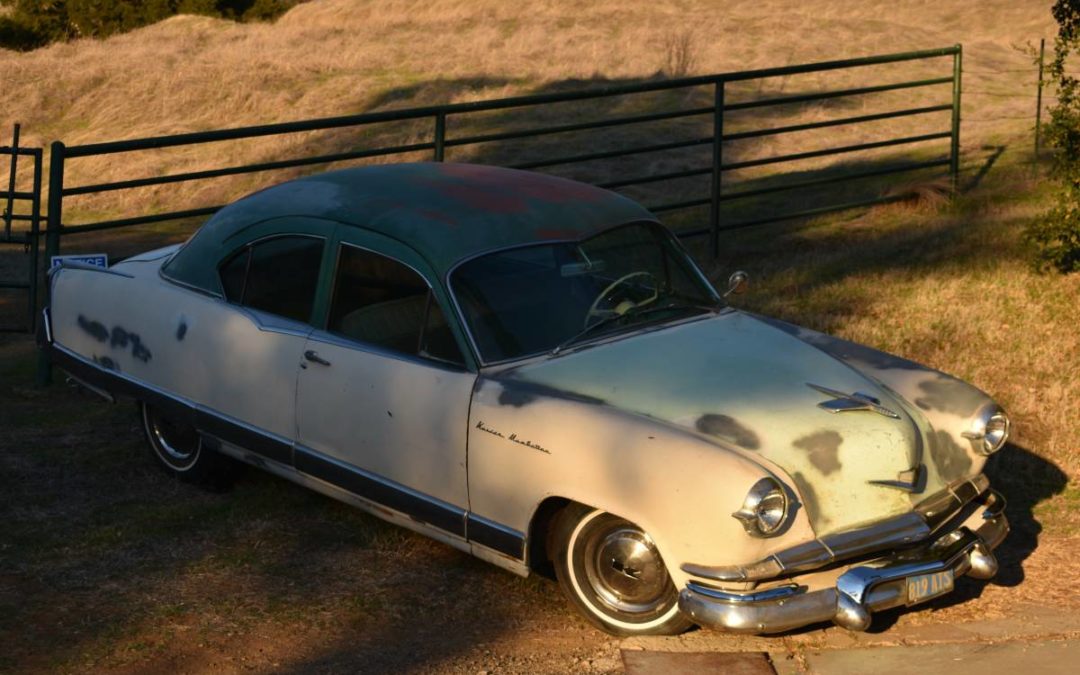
[535, 371]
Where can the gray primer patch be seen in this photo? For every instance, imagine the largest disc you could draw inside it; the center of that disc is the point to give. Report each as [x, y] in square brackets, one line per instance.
[844, 350]
[121, 338]
[950, 458]
[518, 393]
[809, 500]
[949, 395]
[823, 448]
[729, 429]
[106, 363]
[96, 329]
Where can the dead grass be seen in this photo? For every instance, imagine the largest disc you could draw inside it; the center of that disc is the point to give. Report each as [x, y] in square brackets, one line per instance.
[335, 57]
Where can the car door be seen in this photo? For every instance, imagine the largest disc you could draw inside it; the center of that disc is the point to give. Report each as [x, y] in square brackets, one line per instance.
[383, 391]
[250, 358]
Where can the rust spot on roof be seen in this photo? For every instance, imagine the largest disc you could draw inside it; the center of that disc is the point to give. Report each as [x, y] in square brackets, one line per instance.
[557, 233]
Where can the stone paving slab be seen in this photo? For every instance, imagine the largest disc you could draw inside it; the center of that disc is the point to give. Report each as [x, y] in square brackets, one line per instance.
[1052, 657]
[639, 662]
[1026, 622]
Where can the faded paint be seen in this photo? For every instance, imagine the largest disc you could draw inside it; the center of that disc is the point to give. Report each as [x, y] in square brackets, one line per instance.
[261, 385]
[946, 406]
[675, 483]
[641, 426]
[741, 384]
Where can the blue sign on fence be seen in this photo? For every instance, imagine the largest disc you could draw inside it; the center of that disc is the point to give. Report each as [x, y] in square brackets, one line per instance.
[96, 259]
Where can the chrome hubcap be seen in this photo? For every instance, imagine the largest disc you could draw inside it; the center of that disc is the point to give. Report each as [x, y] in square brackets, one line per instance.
[626, 570]
[179, 443]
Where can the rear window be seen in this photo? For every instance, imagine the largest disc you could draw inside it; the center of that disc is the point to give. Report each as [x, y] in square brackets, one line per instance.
[277, 275]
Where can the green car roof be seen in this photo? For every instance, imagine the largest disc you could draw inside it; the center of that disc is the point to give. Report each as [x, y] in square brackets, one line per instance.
[444, 211]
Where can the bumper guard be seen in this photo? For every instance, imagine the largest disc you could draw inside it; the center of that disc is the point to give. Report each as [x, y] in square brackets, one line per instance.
[861, 590]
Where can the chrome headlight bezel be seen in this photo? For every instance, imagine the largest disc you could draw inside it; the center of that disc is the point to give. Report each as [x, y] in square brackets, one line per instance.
[765, 509]
[989, 431]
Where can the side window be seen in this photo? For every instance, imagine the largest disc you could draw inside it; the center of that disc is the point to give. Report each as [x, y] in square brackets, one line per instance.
[383, 302]
[276, 275]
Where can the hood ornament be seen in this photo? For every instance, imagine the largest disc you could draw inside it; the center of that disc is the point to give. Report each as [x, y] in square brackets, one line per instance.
[842, 402]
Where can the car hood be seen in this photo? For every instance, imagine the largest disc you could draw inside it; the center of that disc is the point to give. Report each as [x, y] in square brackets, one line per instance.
[752, 388]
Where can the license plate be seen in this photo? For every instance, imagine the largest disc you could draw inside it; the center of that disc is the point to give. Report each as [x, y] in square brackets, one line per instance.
[926, 586]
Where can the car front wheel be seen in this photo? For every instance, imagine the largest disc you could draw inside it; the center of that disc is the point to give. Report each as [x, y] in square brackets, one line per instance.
[611, 570]
[178, 449]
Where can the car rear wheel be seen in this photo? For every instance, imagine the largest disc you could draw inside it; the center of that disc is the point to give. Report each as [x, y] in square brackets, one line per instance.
[178, 449]
[611, 570]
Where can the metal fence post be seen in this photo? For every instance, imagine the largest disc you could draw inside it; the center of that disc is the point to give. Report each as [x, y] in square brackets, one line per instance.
[440, 136]
[954, 151]
[9, 211]
[717, 168]
[35, 232]
[1038, 100]
[52, 234]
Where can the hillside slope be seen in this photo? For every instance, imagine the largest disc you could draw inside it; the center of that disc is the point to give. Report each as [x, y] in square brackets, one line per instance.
[333, 57]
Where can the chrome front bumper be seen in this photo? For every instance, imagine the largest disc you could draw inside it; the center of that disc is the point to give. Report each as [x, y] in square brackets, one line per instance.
[860, 590]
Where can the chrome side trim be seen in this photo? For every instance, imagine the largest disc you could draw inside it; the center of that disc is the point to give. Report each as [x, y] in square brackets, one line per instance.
[380, 490]
[742, 598]
[324, 337]
[495, 536]
[46, 322]
[323, 334]
[262, 448]
[272, 323]
[75, 381]
[74, 265]
[334, 492]
[186, 286]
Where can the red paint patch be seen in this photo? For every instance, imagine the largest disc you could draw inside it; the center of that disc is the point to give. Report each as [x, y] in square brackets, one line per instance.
[554, 233]
[489, 198]
[432, 214]
[524, 184]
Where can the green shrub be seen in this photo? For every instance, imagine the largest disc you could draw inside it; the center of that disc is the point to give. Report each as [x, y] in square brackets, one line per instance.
[34, 23]
[1056, 234]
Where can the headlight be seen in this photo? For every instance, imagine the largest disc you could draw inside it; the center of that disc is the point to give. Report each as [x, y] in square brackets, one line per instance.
[764, 510]
[990, 430]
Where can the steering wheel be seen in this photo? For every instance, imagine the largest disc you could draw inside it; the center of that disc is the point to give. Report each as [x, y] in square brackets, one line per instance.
[626, 305]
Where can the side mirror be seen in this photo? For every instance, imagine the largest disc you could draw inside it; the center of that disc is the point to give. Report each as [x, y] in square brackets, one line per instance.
[737, 283]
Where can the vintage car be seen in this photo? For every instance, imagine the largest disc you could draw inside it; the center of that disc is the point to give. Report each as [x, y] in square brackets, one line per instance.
[535, 371]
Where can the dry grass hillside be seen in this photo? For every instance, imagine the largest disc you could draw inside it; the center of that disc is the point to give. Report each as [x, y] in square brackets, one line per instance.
[331, 57]
[334, 57]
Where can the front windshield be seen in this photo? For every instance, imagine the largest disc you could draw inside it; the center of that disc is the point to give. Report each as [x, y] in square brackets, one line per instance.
[541, 298]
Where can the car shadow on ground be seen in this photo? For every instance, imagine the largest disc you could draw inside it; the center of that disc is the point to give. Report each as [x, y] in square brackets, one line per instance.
[1025, 480]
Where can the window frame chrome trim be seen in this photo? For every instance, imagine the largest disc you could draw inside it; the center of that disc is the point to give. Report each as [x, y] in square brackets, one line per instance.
[372, 348]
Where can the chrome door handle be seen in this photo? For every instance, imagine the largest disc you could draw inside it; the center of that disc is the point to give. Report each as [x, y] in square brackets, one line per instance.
[314, 357]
